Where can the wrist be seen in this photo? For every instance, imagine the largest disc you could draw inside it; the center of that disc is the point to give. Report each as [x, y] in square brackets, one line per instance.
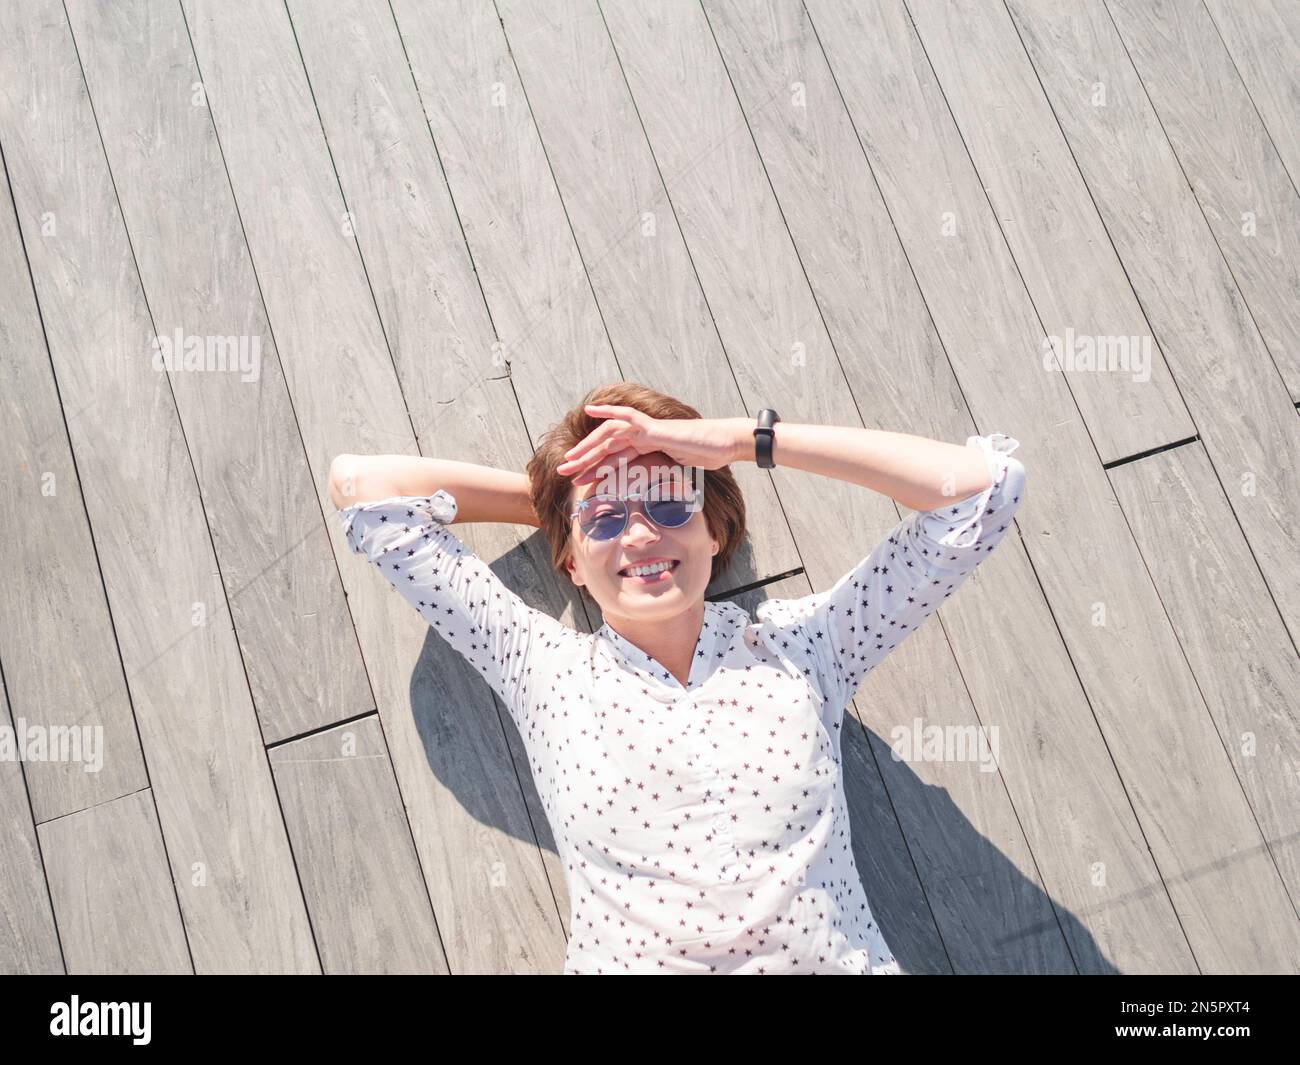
[742, 433]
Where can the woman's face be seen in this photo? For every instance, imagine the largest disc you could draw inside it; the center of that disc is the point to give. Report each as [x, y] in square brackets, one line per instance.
[598, 564]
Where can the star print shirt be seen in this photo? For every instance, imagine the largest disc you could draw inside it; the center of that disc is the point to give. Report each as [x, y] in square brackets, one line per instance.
[702, 828]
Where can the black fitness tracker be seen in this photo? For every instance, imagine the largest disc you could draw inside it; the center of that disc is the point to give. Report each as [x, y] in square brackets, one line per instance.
[763, 437]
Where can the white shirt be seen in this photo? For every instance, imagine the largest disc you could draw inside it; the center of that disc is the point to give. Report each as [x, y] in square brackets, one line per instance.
[702, 829]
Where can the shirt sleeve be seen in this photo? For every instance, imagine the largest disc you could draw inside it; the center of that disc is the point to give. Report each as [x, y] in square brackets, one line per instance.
[850, 628]
[467, 604]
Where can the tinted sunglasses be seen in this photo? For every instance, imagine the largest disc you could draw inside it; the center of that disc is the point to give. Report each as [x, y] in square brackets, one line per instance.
[604, 517]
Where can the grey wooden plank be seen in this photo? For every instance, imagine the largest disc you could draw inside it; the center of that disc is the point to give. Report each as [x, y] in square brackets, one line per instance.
[1227, 625]
[1069, 266]
[1263, 38]
[29, 941]
[1248, 198]
[533, 279]
[1221, 363]
[57, 644]
[1157, 731]
[638, 265]
[232, 868]
[859, 277]
[113, 897]
[304, 666]
[453, 766]
[429, 301]
[368, 902]
[461, 400]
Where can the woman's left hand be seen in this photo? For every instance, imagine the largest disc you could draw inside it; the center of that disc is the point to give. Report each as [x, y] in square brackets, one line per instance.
[709, 443]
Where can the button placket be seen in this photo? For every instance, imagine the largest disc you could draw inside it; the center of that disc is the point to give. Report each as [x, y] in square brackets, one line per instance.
[712, 776]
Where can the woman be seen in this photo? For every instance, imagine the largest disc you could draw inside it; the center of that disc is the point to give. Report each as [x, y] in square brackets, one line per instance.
[687, 754]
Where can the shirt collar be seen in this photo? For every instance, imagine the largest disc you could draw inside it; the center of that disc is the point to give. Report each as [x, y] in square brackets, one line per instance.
[720, 620]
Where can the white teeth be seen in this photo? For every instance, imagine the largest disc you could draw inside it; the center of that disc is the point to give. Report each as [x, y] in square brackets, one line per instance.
[641, 571]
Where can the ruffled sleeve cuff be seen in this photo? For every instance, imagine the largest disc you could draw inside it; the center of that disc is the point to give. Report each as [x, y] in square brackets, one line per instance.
[364, 523]
[958, 534]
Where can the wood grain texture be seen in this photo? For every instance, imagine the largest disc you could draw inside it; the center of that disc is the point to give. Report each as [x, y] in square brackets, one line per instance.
[29, 941]
[1061, 249]
[1263, 39]
[113, 897]
[368, 902]
[1249, 200]
[57, 646]
[1223, 367]
[1082, 552]
[230, 858]
[453, 766]
[1234, 639]
[304, 667]
[533, 279]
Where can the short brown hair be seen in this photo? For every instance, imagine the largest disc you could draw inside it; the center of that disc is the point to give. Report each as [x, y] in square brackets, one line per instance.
[552, 493]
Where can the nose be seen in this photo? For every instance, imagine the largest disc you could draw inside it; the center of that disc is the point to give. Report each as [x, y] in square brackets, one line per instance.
[640, 529]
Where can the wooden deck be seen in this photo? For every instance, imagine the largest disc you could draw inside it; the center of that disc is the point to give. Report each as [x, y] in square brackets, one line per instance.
[431, 228]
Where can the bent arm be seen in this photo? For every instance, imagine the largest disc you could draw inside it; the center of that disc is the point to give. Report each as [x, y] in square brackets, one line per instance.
[483, 493]
[916, 471]
[854, 625]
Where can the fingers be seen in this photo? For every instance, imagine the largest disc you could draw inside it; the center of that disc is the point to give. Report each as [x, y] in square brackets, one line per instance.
[607, 443]
[602, 410]
[599, 455]
[579, 450]
[596, 443]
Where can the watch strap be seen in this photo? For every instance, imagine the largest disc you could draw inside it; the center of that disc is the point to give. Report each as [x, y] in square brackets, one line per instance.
[764, 437]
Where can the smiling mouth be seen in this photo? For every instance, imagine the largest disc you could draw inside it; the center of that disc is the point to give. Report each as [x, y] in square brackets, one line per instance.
[651, 578]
